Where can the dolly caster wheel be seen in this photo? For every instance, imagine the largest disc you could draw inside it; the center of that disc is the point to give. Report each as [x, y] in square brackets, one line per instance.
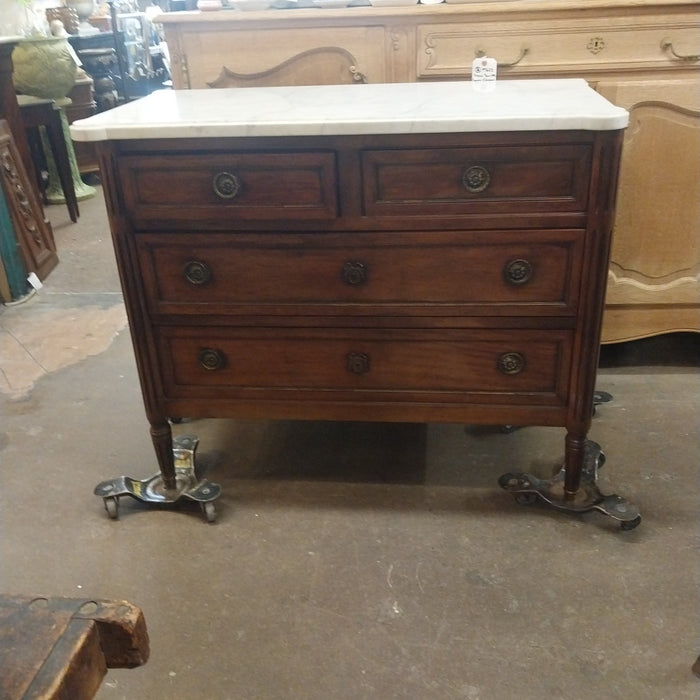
[526, 499]
[627, 525]
[527, 488]
[112, 507]
[187, 486]
[209, 511]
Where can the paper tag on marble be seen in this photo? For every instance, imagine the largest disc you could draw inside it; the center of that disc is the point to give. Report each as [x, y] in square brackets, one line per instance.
[484, 70]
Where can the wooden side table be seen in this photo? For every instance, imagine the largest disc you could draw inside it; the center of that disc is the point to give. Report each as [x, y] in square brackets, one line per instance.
[55, 648]
[37, 112]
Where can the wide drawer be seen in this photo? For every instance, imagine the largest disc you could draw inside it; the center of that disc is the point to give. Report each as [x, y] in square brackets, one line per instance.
[586, 47]
[363, 364]
[181, 189]
[533, 273]
[476, 180]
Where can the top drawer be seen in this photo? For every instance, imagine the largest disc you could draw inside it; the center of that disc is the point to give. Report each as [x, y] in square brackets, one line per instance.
[168, 191]
[491, 180]
[584, 48]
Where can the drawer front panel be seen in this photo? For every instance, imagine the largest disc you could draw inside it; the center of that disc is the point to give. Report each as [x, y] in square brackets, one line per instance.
[227, 187]
[384, 365]
[555, 46]
[454, 181]
[533, 272]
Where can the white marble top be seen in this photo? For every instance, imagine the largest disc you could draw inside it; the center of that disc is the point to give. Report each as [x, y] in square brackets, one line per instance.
[392, 108]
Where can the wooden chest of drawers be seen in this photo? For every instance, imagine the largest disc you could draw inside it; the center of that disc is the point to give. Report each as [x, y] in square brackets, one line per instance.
[426, 277]
[451, 278]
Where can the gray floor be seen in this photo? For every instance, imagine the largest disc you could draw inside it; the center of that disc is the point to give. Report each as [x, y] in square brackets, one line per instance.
[349, 561]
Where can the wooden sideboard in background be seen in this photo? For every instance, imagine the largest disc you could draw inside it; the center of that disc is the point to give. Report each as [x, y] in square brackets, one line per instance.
[643, 55]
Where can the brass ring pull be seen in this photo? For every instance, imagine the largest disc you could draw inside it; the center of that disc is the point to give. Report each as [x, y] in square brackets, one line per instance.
[510, 363]
[211, 359]
[476, 179]
[197, 273]
[357, 362]
[480, 53]
[354, 273]
[667, 45]
[517, 272]
[226, 185]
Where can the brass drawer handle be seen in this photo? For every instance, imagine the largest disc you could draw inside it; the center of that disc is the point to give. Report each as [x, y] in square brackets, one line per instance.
[226, 185]
[354, 273]
[517, 272]
[667, 45]
[476, 178]
[511, 363]
[197, 273]
[357, 362]
[211, 359]
[480, 53]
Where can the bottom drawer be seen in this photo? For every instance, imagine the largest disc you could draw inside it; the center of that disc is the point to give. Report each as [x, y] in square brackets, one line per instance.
[367, 365]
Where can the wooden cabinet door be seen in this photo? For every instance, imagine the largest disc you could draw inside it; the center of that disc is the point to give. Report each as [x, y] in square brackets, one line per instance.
[654, 277]
[288, 56]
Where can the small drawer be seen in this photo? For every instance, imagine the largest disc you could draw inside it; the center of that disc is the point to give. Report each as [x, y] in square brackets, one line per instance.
[585, 47]
[476, 180]
[363, 364]
[490, 273]
[233, 189]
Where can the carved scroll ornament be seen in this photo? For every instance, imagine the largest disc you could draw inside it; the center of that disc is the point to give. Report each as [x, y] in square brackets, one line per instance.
[324, 65]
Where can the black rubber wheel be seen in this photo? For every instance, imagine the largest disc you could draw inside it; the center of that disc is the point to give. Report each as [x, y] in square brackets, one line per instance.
[506, 481]
[209, 510]
[112, 507]
[630, 524]
[526, 498]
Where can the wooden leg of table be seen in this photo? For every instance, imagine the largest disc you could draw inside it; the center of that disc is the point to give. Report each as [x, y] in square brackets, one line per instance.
[55, 137]
[162, 437]
[575, 451]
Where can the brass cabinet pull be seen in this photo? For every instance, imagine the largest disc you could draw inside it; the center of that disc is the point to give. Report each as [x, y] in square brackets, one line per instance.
[211, 359]
[357, 362]
[354, 273]
[480, 53]
[667, 45]
[511, 363]
[518, 271]
[197, 273]
[476, 178]
[226, 185]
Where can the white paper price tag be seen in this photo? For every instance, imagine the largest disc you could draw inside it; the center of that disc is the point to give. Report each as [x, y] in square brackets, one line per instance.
[34, 281]
[484, 71]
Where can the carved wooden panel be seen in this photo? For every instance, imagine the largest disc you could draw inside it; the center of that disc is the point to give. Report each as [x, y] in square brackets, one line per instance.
[323, 56]
[325, 64]
[33, 231]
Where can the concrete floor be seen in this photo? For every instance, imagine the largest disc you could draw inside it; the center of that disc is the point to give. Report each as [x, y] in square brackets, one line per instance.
[349, 561]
